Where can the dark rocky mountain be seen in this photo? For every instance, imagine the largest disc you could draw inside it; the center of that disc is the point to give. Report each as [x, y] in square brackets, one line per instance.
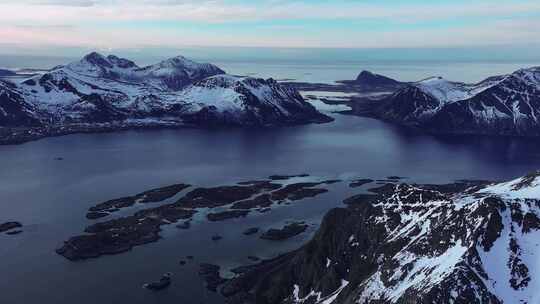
[371, 79]
[500, 105]
[108, 93]
[469, 242]
[367, 81]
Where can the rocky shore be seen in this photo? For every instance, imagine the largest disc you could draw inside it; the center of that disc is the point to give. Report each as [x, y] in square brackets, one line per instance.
[345, 249]
[210, 274]
[9, 226]
[121, 234]
[360, 182]
[226, 215]
[151, 196]
[377, 238]
[20, 135]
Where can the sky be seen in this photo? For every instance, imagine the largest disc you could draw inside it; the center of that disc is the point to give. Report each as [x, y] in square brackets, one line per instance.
[113, 24]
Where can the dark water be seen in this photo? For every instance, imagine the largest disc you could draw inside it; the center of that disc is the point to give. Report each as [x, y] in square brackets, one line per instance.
[50, 197]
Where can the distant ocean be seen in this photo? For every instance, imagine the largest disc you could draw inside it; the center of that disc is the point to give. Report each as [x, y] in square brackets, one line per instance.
[318, 65]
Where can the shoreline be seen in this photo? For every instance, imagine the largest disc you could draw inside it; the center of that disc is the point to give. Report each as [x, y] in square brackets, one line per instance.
[17, 136]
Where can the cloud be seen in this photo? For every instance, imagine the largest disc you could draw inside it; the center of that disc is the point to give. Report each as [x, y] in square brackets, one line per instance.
[48, 26]
[87, 3]
[117, 23]
[83, 3]
[223, 11]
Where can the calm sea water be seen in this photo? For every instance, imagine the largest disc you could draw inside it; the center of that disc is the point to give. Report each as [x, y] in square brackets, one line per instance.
[316, 65]
[50, 197]
[470, 72]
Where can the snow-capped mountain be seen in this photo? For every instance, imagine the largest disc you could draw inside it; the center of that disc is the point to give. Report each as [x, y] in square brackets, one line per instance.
[499, 105]
[171, 74]
[261, 102]
[460, 243]
[112, 92]
[178, 72]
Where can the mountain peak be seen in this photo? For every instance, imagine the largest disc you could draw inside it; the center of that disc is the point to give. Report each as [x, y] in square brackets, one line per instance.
[498, 105]
[110, 61]
[372, 79]
[96, 58]
[529, 75]
[178, 61]
[444, 90]
[179, 58]
[94, 54]
[526, 187]
[121, 62]
[534, 69]
[365, 73]
[433, 79]
[178, 72]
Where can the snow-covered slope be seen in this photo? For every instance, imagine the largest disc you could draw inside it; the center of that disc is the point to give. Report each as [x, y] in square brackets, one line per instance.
[176, 73]
[14, 110]
[502, 105]
[112, 90]
[171, 74]
[247, 101]
[459, 243]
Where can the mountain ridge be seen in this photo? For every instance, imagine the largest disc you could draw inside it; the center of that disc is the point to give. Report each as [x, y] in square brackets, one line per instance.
[498, 105]
[468, 242]
[367, 81]
[107, 92]
[371, 79]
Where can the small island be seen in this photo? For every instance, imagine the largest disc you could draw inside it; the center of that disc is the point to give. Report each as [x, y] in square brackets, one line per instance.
[284, 233]
[121, 234]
